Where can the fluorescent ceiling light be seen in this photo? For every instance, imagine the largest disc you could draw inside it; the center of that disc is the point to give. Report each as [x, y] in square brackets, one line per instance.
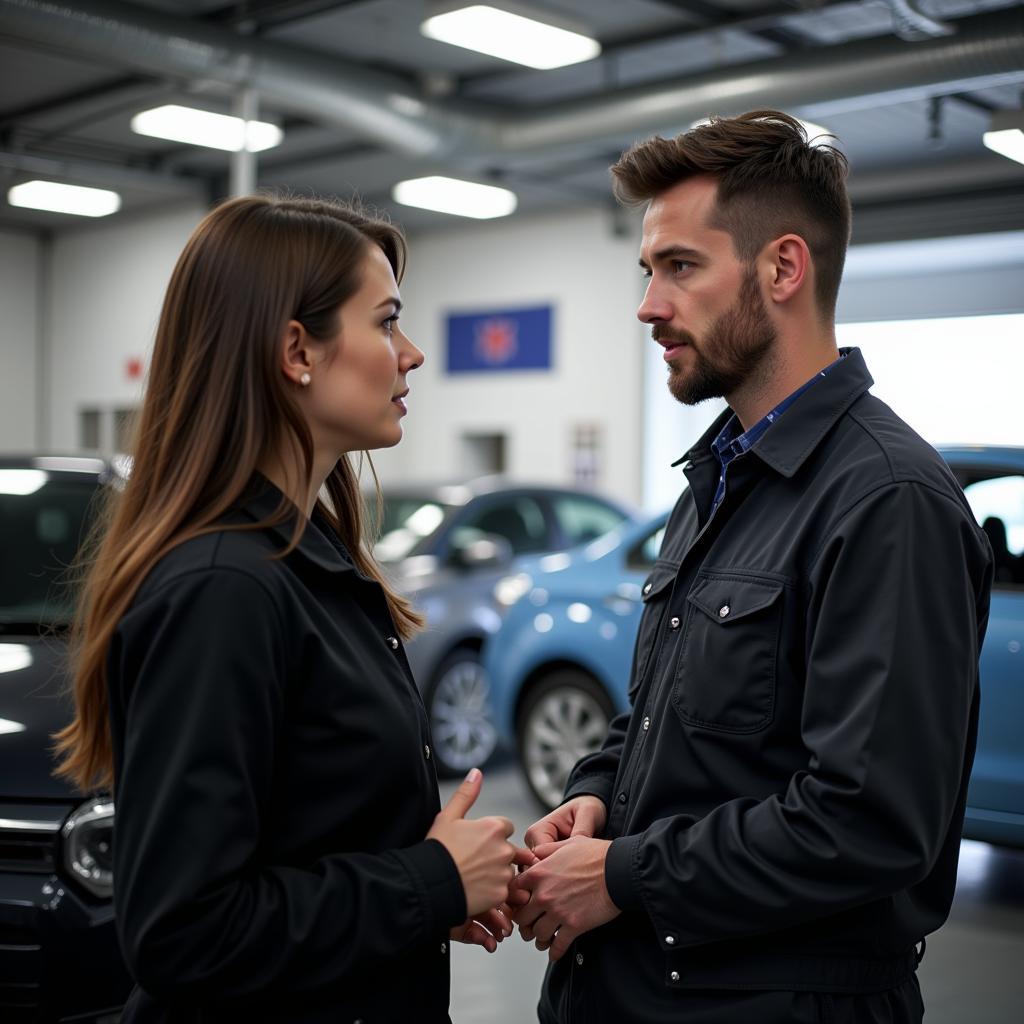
[57, 198]
[816, 134]
[205, 128]
[1006, 136]
[449, 195]
[510, 37]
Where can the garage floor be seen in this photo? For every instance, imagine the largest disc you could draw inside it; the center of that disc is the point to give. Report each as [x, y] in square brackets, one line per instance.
[973, 972]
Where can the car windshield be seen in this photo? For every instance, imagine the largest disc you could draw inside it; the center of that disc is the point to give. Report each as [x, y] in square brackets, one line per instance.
[406, 521]
[42, 523]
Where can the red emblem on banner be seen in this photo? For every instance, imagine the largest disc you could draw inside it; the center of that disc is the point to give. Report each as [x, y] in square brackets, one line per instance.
[496, 340]
[133, 368]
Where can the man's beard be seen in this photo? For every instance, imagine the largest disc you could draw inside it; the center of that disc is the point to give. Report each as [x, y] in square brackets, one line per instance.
[733, 348]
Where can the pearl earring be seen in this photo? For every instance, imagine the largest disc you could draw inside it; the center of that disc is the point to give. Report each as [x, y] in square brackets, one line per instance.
[305, 380]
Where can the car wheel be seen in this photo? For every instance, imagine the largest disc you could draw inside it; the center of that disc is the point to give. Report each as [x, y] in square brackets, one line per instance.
[565, 716]
[460, 720]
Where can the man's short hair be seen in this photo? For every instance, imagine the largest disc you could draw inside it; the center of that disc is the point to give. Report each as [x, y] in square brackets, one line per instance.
[771, 181]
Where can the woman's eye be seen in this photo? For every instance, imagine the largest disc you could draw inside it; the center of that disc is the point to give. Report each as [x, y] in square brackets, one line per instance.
[389, 324]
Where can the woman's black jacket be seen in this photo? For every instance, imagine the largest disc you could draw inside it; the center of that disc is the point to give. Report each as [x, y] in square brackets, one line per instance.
[274, 785]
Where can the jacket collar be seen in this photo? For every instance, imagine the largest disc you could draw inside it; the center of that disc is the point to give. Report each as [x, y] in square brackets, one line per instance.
[317, 544]
[790, 441]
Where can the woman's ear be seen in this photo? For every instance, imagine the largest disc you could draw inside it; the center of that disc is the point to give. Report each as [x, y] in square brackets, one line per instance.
[296, 354]
[791, 267]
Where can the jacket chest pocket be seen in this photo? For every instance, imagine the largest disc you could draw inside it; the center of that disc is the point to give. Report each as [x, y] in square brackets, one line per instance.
[725, 673]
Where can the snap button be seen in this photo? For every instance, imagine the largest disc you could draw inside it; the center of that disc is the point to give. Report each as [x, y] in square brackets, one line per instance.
[674, 975]
[426, 751]
[670, 940]
[723, 611]
[393, 642]
[444, 948]
[674, 622]
[647, 724]
[579, 959]
[647, 587]
[623, 798]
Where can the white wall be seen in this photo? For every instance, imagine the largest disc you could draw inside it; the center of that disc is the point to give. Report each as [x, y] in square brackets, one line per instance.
[20, 344]
[572, 261]
[108, 282]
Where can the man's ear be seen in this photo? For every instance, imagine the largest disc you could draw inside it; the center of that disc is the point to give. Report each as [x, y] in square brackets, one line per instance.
[791, 270]
[296, 354]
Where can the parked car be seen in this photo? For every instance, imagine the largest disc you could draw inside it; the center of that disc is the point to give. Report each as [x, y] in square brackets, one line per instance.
[559, 665]
[446, 547]
[59, 957]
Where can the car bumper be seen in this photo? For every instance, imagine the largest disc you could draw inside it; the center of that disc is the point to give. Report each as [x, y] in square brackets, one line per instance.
[59, 957]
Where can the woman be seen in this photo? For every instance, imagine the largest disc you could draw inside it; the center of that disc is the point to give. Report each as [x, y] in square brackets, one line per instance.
[239, 676]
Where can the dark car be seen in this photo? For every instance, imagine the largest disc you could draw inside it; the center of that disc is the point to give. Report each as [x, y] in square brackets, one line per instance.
[59, 958]
[445, 547]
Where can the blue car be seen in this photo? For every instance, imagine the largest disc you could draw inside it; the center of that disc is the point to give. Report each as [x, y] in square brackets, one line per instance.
[559, 664]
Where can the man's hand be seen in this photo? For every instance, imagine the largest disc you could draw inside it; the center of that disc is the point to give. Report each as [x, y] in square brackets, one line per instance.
[581, 816]
[564, 894]
[486, 929]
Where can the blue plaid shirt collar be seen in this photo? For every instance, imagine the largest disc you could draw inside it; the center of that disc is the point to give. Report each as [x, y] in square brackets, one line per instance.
[732, 442]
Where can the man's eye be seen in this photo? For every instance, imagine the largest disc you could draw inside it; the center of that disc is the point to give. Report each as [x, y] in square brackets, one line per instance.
[678, 266]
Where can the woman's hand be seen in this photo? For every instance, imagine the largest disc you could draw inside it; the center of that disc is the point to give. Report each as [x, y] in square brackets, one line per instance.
[480, 848]
[486, 929]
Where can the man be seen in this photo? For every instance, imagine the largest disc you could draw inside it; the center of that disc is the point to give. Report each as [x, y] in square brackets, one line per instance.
[773, 830]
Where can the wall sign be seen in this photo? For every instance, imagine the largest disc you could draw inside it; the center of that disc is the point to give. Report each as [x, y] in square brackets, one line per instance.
[506, 339]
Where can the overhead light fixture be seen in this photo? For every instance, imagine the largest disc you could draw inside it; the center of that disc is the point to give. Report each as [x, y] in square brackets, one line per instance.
[205, 128]
[450, 195]
[816, 134]
[512, 37]
[57, 198]
[1006, 134]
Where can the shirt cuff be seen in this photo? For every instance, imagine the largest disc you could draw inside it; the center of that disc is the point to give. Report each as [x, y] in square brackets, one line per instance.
[444, 897]
[618, 873]
[591, 785]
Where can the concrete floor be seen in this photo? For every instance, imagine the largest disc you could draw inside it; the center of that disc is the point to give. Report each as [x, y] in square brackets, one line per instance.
[973, 972]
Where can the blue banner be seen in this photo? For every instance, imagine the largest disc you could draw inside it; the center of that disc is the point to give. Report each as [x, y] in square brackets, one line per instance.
[507, 339]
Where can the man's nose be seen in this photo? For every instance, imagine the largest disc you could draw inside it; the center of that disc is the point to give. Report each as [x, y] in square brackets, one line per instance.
[655, 307]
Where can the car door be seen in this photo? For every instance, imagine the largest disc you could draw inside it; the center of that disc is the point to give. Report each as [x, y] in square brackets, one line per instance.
[996, 495]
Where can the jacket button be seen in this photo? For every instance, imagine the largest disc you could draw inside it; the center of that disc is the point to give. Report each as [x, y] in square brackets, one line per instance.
[723, 611]
[647, 724]
[647, 587]
[426, 751]
[670, 940]
[674, 975]
[444, 948]
[674, 622]
[623, 798]
[579, 959]
[393, 642]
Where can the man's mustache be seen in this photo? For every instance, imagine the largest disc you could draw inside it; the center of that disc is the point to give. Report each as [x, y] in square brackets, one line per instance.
[663, 333]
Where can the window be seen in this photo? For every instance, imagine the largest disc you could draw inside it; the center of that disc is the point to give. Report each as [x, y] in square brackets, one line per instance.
[998, 504]
[519, 520]
[645, 554]
[582, 520]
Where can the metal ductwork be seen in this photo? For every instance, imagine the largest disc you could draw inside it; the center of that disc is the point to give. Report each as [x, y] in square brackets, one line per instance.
[987, 49]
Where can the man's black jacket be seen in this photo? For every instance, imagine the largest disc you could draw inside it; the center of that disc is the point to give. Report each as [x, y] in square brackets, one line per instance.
[785, 799]
[274, 786]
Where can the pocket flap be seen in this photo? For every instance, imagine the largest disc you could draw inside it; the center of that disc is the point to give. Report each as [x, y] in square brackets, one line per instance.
[726, 599]
[661, 576]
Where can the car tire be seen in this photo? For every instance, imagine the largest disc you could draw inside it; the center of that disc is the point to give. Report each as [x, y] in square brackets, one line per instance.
[461, 726]
[564, 717]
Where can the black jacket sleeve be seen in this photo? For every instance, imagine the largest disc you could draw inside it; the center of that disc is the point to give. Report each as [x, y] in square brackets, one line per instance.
[200, 912]
[892, 646]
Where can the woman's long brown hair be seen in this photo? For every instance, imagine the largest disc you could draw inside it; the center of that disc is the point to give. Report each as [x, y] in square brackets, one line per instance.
[216, 405]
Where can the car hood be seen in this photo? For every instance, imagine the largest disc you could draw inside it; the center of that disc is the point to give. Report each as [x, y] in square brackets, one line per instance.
[32, 707]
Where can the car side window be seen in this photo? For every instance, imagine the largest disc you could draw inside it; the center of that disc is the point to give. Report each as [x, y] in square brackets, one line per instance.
[519, 520]
[582, 519]
[643, 555]
[998, 505]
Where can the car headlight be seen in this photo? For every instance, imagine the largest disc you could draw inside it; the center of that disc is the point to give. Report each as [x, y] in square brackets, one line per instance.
[510, 589]
[88, 836]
